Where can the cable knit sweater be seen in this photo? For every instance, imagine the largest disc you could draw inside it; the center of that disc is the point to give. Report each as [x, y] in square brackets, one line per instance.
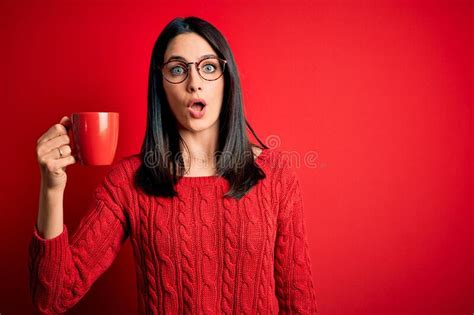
[197, 253]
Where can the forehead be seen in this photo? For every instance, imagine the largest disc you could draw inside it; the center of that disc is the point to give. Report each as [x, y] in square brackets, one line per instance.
[190, 46]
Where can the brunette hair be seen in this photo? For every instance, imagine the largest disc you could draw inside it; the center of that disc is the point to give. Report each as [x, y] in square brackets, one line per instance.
[158, 173]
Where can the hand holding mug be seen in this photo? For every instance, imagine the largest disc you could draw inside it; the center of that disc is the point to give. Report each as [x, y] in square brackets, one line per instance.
[87, 137]
[54, 155]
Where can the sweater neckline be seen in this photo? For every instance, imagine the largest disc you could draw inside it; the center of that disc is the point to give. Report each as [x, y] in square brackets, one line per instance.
[212, 179]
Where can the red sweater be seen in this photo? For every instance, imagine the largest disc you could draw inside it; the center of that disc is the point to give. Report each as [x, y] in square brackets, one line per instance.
[198, 253]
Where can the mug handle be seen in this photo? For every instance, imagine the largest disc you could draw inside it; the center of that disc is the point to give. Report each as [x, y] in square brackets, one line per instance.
[72, 142]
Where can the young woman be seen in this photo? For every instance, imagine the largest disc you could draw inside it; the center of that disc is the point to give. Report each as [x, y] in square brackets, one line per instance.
[216, 223]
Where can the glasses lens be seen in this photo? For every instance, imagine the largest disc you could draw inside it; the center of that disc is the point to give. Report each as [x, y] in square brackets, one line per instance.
[175, 71]
[211, 69]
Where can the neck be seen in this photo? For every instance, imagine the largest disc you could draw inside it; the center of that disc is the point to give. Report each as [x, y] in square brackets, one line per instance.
[201, 145]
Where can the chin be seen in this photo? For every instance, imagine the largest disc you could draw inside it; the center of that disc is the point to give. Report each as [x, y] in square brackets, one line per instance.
[196, 126]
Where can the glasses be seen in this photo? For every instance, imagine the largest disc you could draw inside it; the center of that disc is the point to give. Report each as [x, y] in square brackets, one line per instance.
[176, 71]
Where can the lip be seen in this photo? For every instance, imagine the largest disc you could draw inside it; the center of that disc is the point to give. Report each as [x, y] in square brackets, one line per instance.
[197, 114]
[197, 100]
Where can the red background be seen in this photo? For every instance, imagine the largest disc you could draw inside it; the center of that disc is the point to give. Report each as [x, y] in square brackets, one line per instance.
[380, 90]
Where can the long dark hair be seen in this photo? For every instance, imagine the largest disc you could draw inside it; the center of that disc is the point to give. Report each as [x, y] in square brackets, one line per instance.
[158, 173]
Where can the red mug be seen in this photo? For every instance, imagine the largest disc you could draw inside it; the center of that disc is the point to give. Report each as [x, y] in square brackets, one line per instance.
[94, 136]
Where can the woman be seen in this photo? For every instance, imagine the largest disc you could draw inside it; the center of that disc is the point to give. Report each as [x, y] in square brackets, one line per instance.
[215, 222]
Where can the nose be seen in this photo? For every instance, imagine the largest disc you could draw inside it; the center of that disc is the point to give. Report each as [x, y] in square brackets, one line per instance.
[194, 81]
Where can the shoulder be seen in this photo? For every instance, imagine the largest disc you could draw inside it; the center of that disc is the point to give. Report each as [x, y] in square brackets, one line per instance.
[275, 159]
[263, 154]
[279, 165]
[286, 181]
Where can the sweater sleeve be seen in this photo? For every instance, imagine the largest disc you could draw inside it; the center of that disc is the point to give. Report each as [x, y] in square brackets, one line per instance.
[62, 271]
[293, 278]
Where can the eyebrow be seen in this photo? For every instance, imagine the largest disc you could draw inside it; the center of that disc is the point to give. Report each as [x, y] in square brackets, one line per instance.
[176, 57]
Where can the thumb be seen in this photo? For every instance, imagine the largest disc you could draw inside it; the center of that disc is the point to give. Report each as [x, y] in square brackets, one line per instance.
[65, 121]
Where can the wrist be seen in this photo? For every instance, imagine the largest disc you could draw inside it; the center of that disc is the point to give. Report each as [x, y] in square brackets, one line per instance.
[48, 190]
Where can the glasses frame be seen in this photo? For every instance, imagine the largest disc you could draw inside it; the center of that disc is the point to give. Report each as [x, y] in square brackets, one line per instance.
[188, 68]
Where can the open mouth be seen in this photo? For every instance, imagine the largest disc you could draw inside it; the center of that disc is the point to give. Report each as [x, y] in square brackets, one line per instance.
[197, 106]
[197, 109]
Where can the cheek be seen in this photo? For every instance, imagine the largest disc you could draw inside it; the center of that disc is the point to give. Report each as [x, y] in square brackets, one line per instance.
[172, 94]
[219, 94]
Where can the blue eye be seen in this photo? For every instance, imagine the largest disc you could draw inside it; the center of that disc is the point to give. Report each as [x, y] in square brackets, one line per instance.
[175, 70]
[209, 68]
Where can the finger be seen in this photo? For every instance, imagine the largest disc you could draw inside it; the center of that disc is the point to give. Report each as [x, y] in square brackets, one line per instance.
[63, 163]
[54, 155]
[66, 122]
[52, 164]
[56, 166]
[64, 151]
[55, 131]
[52, 144]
